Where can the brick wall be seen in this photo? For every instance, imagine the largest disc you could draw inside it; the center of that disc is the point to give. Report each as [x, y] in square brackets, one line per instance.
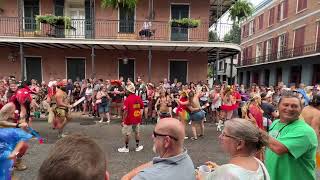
[54, 64]
[309, 18]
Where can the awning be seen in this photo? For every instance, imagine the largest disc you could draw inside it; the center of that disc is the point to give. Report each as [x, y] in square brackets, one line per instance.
[225, 49]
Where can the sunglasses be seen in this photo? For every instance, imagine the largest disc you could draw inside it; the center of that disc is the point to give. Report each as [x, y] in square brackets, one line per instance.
[229, 136]
[157, 134]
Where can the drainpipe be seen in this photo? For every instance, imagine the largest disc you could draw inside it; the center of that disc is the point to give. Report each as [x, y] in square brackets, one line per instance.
[216, 65]
[22, 62]
[93, 66]
[149, 65]
[231, 69]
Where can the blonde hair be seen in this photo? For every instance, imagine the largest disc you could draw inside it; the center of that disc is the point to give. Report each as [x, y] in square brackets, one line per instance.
[246, 131]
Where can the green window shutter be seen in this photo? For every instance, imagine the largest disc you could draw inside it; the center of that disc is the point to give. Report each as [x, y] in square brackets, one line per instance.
[88, 18]
[59, 7]
[31, 9]
[126, 17]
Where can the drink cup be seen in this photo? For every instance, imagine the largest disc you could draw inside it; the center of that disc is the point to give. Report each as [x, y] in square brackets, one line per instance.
[204, 171]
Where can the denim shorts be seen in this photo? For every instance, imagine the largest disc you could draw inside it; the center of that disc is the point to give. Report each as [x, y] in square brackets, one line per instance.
[103, 108]
[197, 116]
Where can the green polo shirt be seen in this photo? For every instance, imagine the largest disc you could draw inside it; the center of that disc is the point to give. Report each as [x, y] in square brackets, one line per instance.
[299, 163]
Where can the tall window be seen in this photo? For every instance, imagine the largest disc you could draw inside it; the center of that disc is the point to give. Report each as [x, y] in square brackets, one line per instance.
[268, 49]
[299, 41]
[126, 17]
[251, 27]
[282, 46]
[283, 10]
[220, 65]
[258, 51]
[31, 9]
[301, 5]
[260, 19]
[59, 7]
[179, 11]
[299, 37]
[271, 16]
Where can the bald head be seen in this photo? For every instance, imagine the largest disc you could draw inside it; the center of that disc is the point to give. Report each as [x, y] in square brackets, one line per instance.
[172, 127]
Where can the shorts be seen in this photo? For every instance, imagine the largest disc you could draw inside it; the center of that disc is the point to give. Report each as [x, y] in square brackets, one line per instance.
[61, 112]
[164, 115]
[128, 129]
[103, 108]
[197, 116]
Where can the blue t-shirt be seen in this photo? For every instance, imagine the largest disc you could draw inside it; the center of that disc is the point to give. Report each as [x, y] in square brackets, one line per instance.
[177, 167]
[9, 138]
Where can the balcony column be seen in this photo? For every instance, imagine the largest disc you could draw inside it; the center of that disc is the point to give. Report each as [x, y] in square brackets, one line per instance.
[306, 74]
[285, 75]
[22, 62]
[231, 69]
[216, 67]
[149, 63]
[93, 65]
[272, 77]
[262, 77]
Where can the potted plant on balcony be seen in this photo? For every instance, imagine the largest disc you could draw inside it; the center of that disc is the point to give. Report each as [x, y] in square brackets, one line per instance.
[185, 23]
[54, 21]
[240, 10]
[115, 4]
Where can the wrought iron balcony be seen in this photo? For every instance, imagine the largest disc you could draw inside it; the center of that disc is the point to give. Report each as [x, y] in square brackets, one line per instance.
[103, 29]
[305, 50]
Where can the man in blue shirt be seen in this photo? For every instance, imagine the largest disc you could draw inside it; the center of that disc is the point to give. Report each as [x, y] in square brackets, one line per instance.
[173, 161]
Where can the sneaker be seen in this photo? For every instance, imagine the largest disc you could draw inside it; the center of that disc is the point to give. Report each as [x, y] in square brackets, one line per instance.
[108, 121]
[123, 150]
[186, 137]
[139, 148]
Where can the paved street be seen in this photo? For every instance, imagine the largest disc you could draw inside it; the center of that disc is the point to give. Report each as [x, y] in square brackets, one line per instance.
[109, 138]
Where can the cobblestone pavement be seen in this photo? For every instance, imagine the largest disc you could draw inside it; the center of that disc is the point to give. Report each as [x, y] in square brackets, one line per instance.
[109, 138]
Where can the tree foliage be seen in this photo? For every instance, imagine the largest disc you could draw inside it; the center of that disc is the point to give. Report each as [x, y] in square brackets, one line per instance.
[234, 35]
[213, 36]
[241, 10]
[115, 4]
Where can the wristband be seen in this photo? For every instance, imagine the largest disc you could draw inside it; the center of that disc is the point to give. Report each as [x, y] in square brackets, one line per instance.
[17, 125]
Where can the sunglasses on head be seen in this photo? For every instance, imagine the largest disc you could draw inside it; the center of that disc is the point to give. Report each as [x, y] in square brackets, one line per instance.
[155, 134]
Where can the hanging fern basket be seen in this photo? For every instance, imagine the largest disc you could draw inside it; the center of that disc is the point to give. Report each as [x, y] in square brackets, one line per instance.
[54, 21]
[115, 4]
[185, 23]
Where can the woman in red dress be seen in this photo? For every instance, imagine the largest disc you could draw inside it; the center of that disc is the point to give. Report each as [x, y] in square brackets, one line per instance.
[228, 103]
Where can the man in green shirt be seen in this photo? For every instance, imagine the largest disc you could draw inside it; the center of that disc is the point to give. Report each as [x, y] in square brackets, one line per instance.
[292, 144]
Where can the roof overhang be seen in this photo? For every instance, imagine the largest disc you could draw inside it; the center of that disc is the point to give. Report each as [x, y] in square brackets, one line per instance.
[218, 8]
[185, 46]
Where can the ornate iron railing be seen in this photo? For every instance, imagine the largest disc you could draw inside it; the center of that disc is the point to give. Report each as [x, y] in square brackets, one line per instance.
[103, 29]
[281, 55]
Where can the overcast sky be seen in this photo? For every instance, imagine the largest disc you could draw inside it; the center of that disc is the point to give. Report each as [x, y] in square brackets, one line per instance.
[223, 29]
[255, 2]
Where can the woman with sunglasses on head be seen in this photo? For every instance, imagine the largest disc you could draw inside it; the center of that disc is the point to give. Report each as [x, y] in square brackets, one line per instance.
[240, 140]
